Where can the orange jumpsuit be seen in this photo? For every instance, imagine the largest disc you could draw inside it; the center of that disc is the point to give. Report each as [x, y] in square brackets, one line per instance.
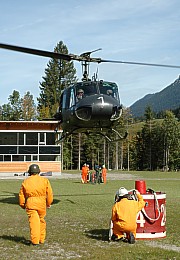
[124, 215]
[35, 196]
[104, 172]
[84, 173]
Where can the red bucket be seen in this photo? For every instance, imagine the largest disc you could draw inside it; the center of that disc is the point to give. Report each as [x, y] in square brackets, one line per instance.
[151, 220]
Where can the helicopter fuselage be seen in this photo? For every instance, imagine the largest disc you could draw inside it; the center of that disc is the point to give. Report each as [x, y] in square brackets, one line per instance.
[96, 108]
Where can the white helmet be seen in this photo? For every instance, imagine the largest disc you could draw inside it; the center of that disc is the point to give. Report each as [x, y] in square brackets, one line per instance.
[121, 192]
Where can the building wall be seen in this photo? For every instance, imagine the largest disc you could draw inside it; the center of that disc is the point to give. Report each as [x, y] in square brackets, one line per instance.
[22, 167]
[23, 143]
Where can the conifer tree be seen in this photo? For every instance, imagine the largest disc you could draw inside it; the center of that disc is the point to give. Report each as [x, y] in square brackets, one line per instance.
[28, 107]
[19, 108]
[59, 74]
[15, 106]
[171, 137]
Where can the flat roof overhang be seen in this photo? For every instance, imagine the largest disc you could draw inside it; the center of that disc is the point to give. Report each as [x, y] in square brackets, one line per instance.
[30, 126]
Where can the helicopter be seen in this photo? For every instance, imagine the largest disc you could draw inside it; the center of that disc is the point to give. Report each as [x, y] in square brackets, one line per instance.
[89, 106]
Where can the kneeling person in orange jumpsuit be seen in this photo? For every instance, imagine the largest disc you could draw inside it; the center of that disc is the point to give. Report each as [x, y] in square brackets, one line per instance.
[35, 196]
[124, 214]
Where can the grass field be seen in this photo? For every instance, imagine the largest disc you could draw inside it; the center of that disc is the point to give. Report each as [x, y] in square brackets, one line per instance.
[78, 221]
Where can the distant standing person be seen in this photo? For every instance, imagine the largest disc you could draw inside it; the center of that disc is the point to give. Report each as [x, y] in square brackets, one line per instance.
[35, 196]
[104, 173]
[84, 173]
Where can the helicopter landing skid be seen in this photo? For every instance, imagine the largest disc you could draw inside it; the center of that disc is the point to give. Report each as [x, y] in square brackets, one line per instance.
[119, 136]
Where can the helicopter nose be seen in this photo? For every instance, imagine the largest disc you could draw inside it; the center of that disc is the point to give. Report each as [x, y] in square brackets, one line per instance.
[97, 107]
[102, 111]
[95, 112]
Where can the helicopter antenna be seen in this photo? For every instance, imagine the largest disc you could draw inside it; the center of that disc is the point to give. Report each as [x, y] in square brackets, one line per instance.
[95, 76]
[85, 64]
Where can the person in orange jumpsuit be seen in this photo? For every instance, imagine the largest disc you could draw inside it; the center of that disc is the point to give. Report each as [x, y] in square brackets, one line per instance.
[82, 173]
[88, 174]
[35, 196]
[104, 172]
[85, 170]
[124, 213]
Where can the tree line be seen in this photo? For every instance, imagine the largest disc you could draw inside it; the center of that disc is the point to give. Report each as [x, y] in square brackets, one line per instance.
[153, 146]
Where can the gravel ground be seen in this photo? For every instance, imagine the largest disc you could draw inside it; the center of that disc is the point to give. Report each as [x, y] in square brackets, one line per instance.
[110, 176]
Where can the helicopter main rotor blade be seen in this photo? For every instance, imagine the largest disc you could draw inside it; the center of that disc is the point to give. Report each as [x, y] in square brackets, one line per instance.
[69, 57]
[142, 63]
[49, 54]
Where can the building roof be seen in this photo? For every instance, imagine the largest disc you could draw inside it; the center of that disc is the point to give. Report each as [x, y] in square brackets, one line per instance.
[30, 125]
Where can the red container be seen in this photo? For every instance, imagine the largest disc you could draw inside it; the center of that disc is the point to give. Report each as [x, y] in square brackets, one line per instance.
[151, 220]
[140, 185]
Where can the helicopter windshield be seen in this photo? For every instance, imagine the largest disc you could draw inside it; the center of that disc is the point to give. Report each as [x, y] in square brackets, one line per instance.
[84, 89]
[109, 88]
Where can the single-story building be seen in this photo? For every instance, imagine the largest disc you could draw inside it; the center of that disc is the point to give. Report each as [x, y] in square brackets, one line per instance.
[25, 142]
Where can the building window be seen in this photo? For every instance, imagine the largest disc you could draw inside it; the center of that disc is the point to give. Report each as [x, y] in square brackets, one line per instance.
[34, 158]
[29, 146]
[7, 158]
[42, 138]
[18, 158]
[31, 138]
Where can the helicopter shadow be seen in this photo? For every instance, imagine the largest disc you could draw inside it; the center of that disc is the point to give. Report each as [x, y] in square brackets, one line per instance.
[17, 239]
[98, 234]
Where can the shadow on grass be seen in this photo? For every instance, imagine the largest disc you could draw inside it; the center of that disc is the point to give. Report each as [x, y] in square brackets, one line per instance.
[98, 234]
[16, 239]
[9, 199]
[55, 201]
[84, 194]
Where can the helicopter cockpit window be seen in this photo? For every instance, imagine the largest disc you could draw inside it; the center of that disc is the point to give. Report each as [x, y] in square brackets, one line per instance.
[85, 89]
[109, 88]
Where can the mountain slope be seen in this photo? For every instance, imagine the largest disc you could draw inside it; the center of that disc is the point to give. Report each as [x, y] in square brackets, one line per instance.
[166, 99]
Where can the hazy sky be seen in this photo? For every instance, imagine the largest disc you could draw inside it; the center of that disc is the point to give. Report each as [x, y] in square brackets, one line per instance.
[131, 30]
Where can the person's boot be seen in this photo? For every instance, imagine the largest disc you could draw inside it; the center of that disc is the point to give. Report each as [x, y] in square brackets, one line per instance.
[131, 238]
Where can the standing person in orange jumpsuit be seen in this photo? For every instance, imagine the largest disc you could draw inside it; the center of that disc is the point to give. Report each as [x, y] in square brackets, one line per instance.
[35, 196]
[83, 173]
[124, 213]
[85, 169]
[88, 173]
[104, 173]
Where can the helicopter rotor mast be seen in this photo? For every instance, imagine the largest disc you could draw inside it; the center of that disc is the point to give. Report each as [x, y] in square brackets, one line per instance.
[86, 62]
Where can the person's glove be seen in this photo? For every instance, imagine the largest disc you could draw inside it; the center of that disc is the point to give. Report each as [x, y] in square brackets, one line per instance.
[137, 192]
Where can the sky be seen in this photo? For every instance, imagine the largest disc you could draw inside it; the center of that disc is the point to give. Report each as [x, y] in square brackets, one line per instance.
[131, 30]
